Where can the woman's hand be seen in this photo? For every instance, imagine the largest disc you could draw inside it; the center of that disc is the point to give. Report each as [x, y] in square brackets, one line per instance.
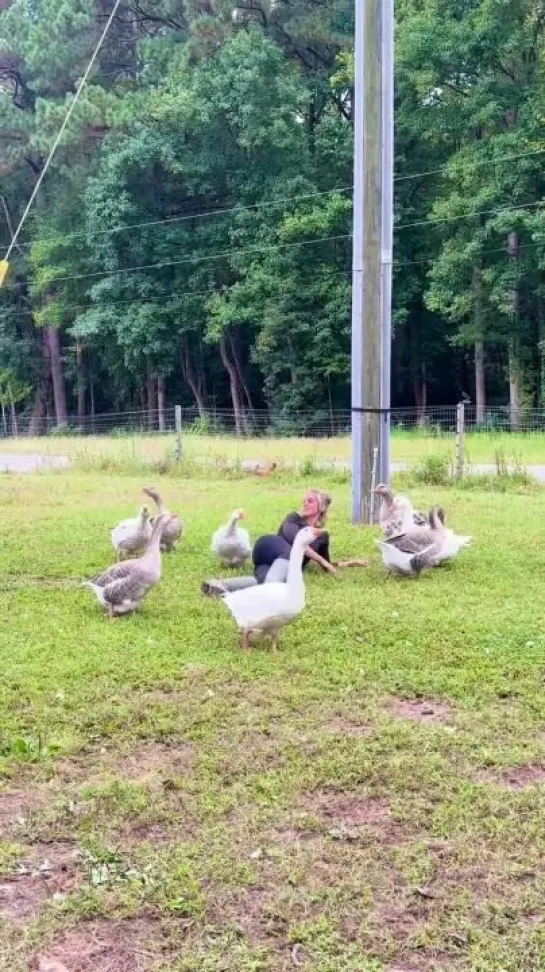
[354, 562]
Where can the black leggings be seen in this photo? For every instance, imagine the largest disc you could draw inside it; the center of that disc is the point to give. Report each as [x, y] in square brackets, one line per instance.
[273, 547]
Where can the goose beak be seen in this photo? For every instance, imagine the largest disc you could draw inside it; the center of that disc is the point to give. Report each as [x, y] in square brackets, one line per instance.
[317, 532]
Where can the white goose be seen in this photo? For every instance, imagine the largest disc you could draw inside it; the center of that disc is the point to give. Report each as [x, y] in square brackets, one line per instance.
[131, 537]
[231, 543]
[267, 608]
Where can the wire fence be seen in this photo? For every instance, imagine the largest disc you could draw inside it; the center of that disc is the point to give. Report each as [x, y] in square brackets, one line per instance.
[434, 421]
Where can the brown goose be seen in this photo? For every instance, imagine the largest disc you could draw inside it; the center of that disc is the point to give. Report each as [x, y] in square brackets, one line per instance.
[409, 553]
[397, 514]
[174, 527]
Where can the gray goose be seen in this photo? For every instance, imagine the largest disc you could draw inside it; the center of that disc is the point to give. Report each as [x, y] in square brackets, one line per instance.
[122, 588]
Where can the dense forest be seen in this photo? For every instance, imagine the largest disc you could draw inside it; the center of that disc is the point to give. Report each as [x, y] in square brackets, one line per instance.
[191, 241]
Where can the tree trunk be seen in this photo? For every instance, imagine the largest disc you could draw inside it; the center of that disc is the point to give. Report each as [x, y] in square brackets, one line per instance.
[191, 379]
[14, 424]
[420, 390]
[541, 347]
[480, 384]
[91, 395]
[161, 402]
[80, 369]
[151, 396]
[37, 417]
[241, 378]
[233, 384]
[57, 376]
[4, 419]
[513, 340]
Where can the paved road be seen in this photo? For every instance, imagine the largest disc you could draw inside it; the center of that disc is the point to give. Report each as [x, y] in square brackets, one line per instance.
[36, 462]
[31, 462]
[482, 469]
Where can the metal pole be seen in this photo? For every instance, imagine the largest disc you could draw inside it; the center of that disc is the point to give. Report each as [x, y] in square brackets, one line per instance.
[387, 220]
[178, 422]
[366, 277]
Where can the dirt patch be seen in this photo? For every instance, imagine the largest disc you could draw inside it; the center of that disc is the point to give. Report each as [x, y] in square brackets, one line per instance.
[349, 811]
[47, 872]
[145, 763]
[16, 809]
[105, 946]
[421, 710]
[290, 836]
[515, 777]
[426, 963]
[341, 726]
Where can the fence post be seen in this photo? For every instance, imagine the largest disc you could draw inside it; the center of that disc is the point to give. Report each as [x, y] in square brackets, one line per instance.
[460, 429]
[178, 421]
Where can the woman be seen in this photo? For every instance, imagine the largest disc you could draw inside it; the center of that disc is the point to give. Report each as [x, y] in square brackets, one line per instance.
[271, 552]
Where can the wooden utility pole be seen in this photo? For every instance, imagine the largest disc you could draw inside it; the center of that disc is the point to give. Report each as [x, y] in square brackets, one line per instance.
[372, 247]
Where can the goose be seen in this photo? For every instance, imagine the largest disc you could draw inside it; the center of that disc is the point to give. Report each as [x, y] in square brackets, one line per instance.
[132, 536]
[174, 526]
[258, 467]
[430, 546]
[267, 608]
[397, 515]
[121, 588]
[231, 543]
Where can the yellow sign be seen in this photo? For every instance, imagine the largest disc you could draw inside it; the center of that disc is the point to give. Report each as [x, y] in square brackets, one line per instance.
[4, 267]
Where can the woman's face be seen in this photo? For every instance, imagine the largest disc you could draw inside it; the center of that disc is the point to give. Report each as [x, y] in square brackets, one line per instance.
[310, 507]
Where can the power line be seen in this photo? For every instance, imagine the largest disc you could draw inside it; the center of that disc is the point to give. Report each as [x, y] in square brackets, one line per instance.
[160, 298]
[474, 165]
[481, 253]
[60, 133]
[168, 220]
[187, 217]
[278, 246]
[202, 259]
[481, 212]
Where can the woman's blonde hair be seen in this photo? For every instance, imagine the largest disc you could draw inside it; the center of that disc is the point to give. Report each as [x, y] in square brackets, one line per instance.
[324, 502]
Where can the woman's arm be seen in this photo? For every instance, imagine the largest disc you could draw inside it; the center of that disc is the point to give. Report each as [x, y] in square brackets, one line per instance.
[312, 555]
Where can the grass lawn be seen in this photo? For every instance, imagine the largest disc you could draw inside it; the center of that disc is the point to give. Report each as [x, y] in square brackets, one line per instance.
[407, 447]
[370, 799]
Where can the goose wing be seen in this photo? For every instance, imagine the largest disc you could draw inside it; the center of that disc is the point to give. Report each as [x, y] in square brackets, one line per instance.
[413, 543]
[115, 572]
[129, 588]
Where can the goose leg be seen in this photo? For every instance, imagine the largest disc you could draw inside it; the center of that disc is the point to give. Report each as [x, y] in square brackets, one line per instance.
[245, 640]
[111, 615]
[274, 643]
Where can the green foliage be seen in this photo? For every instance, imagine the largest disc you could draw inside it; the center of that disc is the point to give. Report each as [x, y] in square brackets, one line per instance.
[433, 470]
[244, 114]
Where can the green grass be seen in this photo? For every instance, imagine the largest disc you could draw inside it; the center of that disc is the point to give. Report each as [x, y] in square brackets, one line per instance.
[407, 447]
[202, 810]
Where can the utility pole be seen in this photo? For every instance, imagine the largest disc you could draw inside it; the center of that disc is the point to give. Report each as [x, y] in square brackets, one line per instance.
[372, 247]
